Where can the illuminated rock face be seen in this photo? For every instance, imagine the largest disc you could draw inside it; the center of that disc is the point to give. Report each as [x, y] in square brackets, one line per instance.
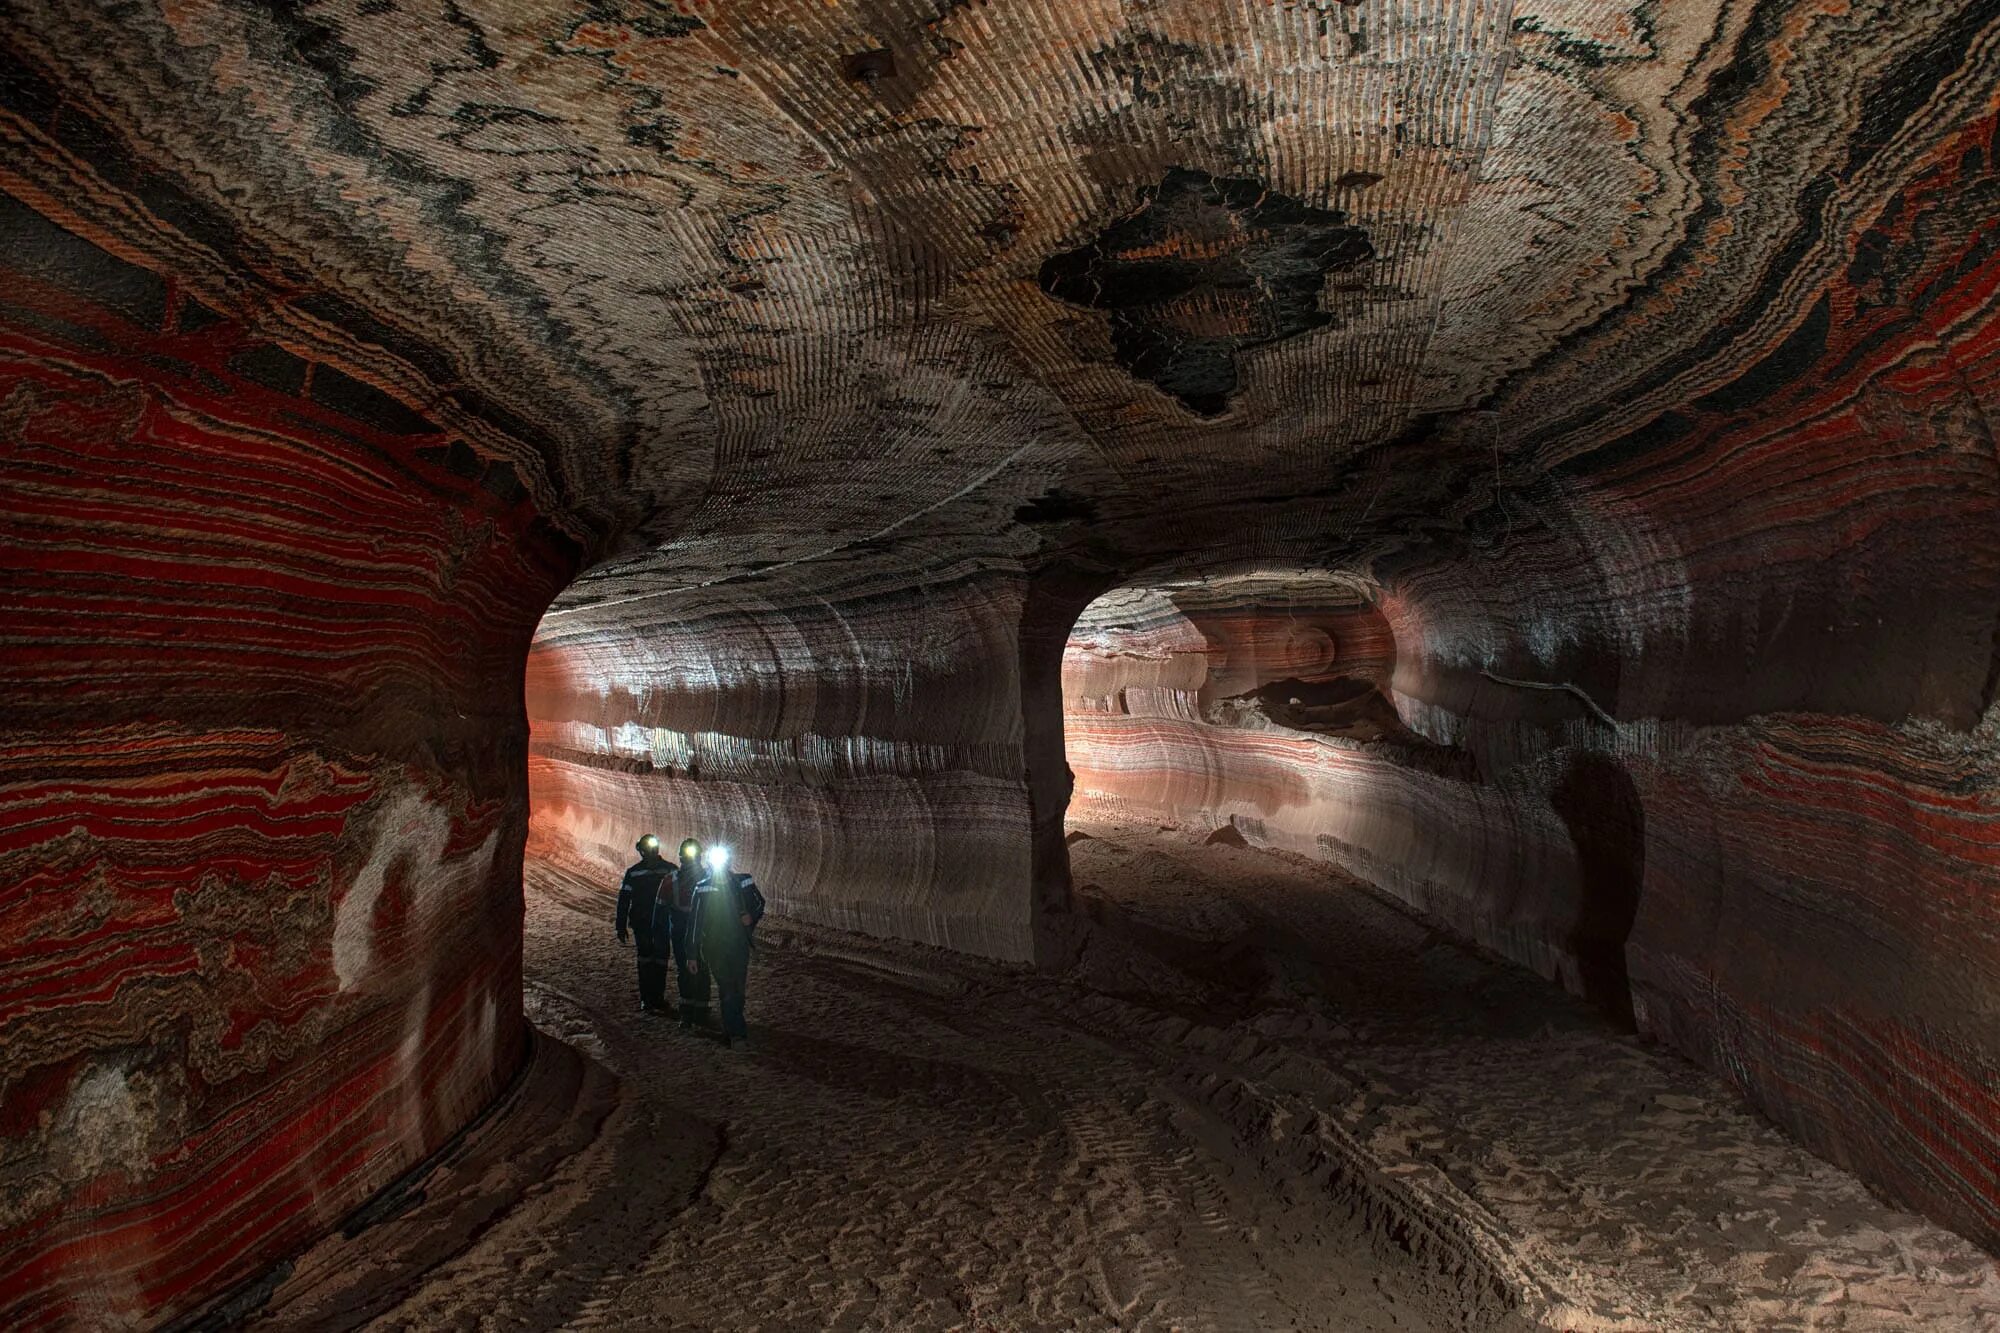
[1797, 891]
[1654, 354]
[261, 799]
[868, 761]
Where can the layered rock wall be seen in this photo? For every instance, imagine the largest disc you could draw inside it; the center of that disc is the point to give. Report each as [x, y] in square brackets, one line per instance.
[1706, 731]
[1637, 360]
[261, 793]
[1773, 617]
[868, 758]
[1774, 746]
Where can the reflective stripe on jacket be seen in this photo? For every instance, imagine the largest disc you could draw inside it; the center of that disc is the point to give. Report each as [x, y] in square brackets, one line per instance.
[637, 894]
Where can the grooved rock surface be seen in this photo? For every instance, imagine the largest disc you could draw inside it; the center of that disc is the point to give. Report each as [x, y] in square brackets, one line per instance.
[1636, 364]
[1802, 902]
[870, 789]
[260, 795]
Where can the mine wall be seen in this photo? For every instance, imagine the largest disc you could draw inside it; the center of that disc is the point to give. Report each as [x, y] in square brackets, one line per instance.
[1616, 495]
[1789, 891]
[263, 794]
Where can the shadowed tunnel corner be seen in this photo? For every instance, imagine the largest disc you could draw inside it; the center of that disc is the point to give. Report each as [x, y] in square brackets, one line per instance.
[1599, 805]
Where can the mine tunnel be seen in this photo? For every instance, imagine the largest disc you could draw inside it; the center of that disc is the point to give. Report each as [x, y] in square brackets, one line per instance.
[1352, 647]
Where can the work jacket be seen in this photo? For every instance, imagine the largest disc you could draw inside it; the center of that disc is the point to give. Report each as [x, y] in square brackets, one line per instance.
[686, 879]
[639, 893]
[720, 903]
[673, 910]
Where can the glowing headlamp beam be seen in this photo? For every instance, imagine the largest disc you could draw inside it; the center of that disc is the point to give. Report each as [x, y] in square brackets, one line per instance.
[717, 857]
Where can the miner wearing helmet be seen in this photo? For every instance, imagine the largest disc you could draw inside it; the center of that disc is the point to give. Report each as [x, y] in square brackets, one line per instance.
[727, 908]
[677, 915]
[638, 897]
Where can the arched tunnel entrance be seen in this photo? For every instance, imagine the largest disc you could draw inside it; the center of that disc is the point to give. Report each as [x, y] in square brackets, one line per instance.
[1164, 687]
[1243, 992]
[1260, 708]
[865, 754]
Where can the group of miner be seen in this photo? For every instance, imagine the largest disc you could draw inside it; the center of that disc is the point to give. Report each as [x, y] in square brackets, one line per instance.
[700, 917]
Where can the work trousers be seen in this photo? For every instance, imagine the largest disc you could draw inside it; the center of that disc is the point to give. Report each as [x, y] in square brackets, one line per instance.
[652, 966]
[693, 986]
[732, 978]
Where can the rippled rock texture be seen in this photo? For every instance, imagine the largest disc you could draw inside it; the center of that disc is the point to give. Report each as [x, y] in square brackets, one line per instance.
[261, 806]
[868, 760]
[1799, 900]
[1629, 369]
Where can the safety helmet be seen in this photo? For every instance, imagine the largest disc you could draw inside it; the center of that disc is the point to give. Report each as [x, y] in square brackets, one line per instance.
[648, 845]
[690, 849]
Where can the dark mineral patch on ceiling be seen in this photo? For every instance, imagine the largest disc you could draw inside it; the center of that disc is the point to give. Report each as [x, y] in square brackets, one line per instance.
[1202, 269]
[1057, 506]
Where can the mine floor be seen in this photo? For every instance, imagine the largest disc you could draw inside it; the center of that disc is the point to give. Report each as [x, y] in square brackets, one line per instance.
[1205, 1124]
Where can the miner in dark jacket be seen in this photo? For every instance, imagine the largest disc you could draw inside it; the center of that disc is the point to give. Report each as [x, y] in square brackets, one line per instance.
[678, 916]
[727, 908]
[638, 897]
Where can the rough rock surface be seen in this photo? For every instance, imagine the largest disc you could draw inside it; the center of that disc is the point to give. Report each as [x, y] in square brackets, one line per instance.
[1261, 1098]
[339, 337]
[1622, 860]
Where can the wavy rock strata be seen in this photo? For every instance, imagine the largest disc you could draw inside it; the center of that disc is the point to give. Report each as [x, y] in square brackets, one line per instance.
[867, 759]
[339, 340]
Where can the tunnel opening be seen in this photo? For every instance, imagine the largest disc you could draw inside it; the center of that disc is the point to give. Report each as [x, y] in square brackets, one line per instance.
[862, 755]
[1161, 679]
[1259, 708]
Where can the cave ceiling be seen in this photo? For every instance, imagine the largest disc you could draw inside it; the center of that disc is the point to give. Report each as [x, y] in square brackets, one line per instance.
[880, 287]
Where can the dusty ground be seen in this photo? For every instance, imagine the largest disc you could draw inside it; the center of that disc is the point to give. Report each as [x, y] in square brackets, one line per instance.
[1210, 1123]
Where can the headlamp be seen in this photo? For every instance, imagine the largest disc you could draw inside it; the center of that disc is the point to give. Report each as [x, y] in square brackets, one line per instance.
[717, 858]
[649, 843]
[690, 850]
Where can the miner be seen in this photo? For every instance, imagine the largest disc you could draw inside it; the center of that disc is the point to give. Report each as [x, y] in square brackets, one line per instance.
[727, 908]
[691, 982]
[638, 899]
